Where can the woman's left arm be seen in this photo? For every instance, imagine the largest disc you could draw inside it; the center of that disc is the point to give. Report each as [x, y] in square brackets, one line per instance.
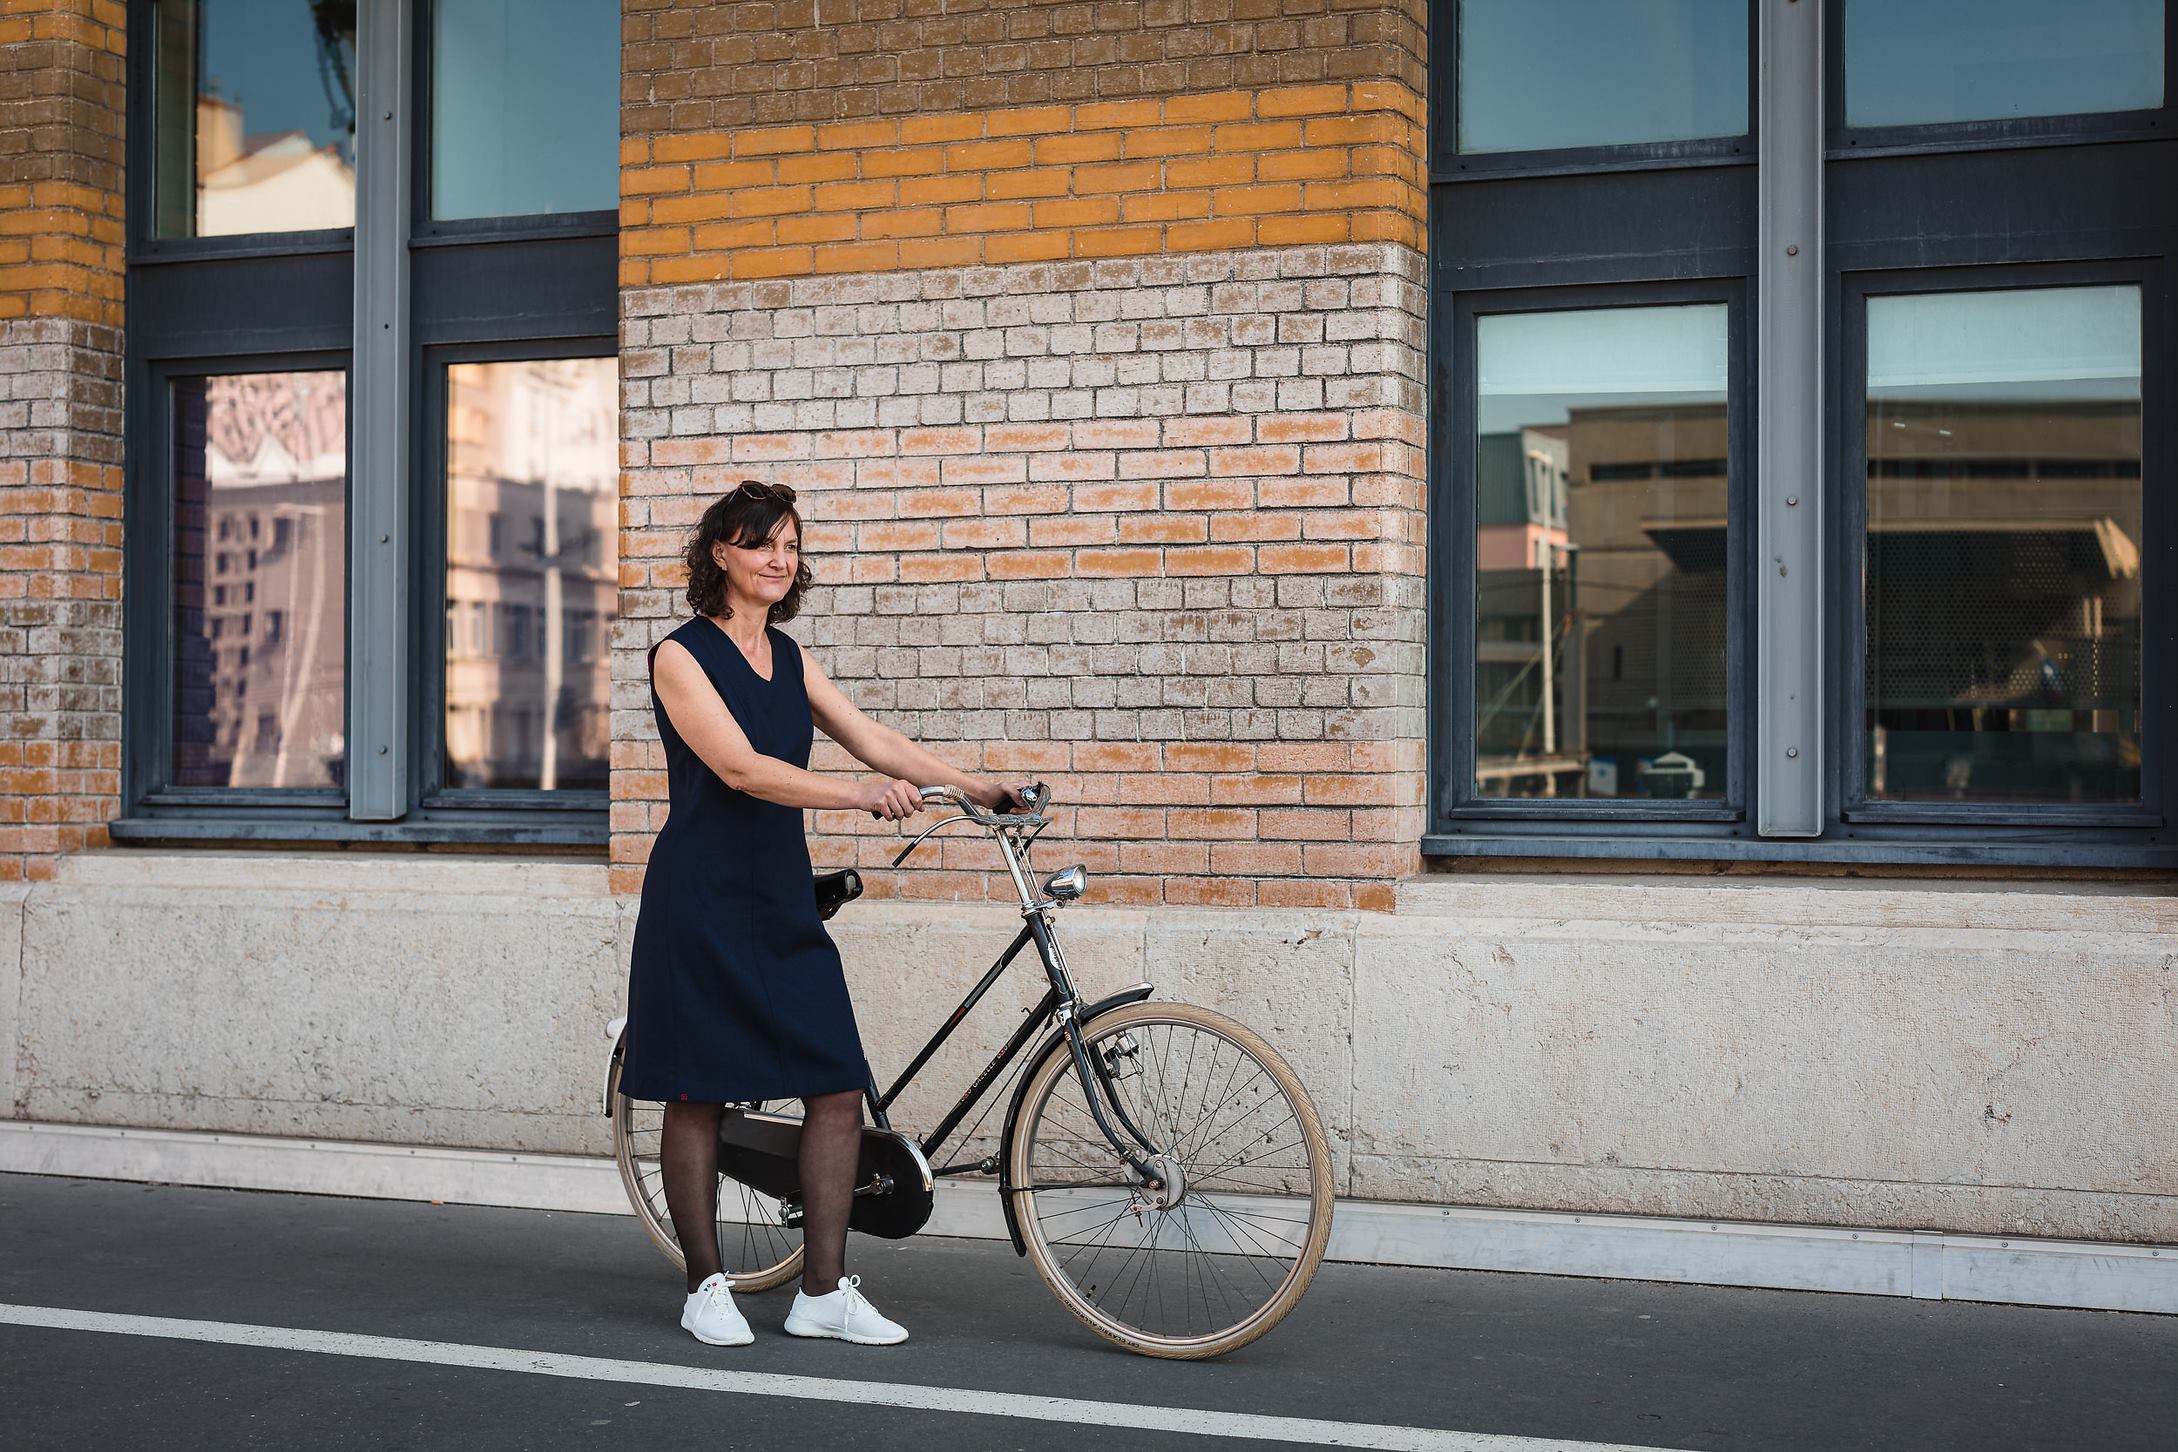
[883, 749]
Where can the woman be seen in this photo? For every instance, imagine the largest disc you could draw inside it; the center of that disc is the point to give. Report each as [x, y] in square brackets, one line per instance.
[736, 991]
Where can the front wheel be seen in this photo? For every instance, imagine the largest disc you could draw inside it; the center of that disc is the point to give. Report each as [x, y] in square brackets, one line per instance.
[1219, 1255]
[756, 1250]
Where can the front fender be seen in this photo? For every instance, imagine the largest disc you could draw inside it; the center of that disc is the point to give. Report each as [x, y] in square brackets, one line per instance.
[1055, 1043]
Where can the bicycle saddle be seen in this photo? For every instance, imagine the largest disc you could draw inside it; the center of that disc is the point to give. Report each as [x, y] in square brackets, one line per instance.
[836, 889]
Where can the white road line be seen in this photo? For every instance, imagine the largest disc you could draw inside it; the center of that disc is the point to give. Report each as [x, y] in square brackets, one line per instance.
[1188, 1420]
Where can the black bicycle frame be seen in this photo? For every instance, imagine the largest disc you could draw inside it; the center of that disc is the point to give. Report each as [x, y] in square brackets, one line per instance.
[1060, 1001]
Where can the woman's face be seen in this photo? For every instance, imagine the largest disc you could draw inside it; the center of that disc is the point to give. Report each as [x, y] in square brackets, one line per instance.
[761, 574]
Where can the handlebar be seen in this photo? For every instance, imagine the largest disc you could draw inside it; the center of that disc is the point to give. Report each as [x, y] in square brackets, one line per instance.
[1037, 795]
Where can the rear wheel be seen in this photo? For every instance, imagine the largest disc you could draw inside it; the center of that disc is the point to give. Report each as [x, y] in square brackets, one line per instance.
[757, 1251]
[1219, 1255]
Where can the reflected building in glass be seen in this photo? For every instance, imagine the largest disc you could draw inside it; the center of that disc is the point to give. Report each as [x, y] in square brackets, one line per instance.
[1601, 495]
[255, 105]
[260, 576]
[532, 573]
[2004, 516]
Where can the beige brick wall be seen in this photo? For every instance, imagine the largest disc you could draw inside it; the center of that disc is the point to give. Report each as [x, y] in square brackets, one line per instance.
[1150, 528]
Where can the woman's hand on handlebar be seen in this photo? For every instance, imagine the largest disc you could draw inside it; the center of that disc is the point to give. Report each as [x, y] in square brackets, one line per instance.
[1010, 796]
[892, 801]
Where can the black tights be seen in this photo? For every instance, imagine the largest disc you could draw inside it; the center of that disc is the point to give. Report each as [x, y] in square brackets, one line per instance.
[831, 1146]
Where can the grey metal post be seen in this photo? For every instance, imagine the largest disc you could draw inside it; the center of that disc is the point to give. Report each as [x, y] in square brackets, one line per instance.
[378, 422]
[1789, 463]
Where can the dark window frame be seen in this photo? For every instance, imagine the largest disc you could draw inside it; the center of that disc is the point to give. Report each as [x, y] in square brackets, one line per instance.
[1454, 497]
[1843, 140]
[1447, 163]
[427, 728]
[139, 180]
[1536, 227]
[1849, 808]
[149, 623]
[282, 301]
[423, 230]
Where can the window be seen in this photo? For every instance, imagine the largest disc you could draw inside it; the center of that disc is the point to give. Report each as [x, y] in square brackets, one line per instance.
[1569, 74]
[1924, 62]
[524, 120]
[276, 443]
[1799, 490]
[1562, 86]
[291, 554]
[2003, 530]
[1601, 489]
[253, 104]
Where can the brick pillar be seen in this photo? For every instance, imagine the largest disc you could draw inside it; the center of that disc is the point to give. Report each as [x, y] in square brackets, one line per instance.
[61, 116]
[1098, 355]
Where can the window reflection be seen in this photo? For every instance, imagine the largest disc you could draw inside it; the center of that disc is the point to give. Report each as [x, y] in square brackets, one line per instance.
[260, 573]
[2004, 527]
[1923, 62]
[1536, 75]
[532, 572]
[1601, 471]
[253, 107]
[525, 107]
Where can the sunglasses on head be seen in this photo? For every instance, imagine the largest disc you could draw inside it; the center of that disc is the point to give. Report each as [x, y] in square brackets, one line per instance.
[757, 489]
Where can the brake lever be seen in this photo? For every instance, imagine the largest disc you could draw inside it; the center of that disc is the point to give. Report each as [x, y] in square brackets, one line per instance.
[949, 821]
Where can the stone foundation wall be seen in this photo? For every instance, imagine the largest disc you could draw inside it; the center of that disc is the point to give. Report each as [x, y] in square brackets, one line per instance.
[1930, 1056]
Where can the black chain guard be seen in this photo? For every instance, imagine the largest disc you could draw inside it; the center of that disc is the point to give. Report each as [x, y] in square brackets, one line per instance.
[761, 1151]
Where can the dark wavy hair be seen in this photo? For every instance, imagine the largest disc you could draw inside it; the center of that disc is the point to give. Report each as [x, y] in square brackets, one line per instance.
[749, 515]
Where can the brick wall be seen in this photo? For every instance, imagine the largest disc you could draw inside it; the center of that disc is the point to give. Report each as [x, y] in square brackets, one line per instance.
[1108, 413]
[1193, 173]
[704, 65]
[61, 113]
[1150, 527]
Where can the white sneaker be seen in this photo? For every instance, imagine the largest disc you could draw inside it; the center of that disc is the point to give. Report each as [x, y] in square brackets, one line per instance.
[711, 1316]
[844, 1316]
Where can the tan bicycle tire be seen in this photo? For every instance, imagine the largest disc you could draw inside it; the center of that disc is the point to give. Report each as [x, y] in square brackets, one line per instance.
[1051, 1070]
[650, 1214]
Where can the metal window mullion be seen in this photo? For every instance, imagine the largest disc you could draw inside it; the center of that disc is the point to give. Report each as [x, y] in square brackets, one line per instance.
[378, 422]
[1789, 705]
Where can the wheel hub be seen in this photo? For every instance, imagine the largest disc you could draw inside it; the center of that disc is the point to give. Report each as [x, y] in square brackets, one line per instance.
[1171, 1187]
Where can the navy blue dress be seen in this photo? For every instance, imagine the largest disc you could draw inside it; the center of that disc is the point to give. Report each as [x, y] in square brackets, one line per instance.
[736, 990]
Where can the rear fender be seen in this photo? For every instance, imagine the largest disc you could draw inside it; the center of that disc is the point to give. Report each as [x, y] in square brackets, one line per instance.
[617, 1031]
[1055, 1044]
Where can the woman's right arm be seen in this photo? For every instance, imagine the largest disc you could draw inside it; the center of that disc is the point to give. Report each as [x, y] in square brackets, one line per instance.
[692, 704]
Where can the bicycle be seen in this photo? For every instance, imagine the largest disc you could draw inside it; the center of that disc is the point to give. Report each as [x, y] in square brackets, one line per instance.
[1160, 1164]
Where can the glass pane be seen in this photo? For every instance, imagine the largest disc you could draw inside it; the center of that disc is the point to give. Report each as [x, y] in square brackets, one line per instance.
[260, 579]
[2003, 569]
[525, 107]
[253, 126]
[1536, 75]
[1920, 62]
[1600, 496]
[532, 571]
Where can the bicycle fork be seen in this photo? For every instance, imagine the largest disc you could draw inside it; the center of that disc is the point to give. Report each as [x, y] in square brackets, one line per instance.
[1093, 1072]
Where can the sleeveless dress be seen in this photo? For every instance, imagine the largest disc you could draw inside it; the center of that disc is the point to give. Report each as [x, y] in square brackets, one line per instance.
[735, 991]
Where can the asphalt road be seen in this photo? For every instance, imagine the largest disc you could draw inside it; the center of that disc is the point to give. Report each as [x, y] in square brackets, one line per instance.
[1567, 1362]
